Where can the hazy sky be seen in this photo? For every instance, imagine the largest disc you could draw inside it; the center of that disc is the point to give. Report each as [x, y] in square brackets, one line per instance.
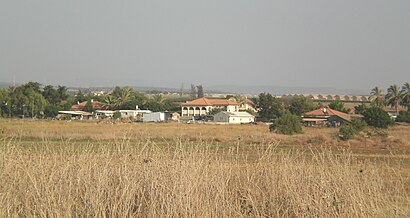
[328, 43]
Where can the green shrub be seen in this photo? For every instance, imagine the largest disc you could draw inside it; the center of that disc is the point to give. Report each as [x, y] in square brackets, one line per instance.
[347, 132]
[287, 124]
[358, 125]
[404, 116]
[377, 117]
[116, 115]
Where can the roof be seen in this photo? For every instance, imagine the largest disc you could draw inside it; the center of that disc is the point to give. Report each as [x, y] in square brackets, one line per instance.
[210, 102]
[248, 101]
[78, 107]
[76, 113]
[327, 112]
[314, 119]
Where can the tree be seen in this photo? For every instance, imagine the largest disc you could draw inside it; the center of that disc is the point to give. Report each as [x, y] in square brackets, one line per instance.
[80, 97]
[269, 106]
[405, 96]
[339, 106]
[51, 110]
[4, 100]
[393, 97]
[89, 106]
[349, 130]
[123, 96]
[300, 104]
[50, 94]
[377, 97]
[35, 104]
[109, 102]
[193, 91]
[404, 116]
[359, 109]
[200, 91]
[287, 124]
[62, 93]
[377, 117]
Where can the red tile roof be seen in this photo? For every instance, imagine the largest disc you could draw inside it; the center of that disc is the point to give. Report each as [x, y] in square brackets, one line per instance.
[78, 107]
[210, 102]
[327, 112]
[248, 101]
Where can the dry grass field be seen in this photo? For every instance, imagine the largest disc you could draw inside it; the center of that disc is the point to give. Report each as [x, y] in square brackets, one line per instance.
[90, 169]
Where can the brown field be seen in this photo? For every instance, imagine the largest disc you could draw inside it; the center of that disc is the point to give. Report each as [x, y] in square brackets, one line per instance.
[90, 169]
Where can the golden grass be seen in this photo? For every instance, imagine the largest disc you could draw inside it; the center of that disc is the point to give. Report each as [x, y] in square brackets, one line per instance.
[86, 169]
[226, 134]
[191, 180]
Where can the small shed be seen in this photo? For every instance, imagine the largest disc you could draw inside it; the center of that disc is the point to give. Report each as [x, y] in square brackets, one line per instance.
[153, 117]
[133, 113]
[234, 117]
[103, 113]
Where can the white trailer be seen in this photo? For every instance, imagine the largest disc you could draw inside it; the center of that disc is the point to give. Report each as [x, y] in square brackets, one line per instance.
[154, 117]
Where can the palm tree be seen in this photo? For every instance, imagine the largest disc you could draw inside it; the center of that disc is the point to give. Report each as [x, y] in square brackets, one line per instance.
[376, 96]
[123, 97]
[109, 102]
[405, 95]
[393, 97]
[159, 99]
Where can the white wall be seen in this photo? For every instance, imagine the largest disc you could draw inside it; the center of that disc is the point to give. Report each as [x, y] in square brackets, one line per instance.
[239, 119]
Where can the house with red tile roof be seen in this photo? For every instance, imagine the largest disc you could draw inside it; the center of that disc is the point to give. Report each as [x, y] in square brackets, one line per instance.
[202, 106]
[326, 115]
[245, 104]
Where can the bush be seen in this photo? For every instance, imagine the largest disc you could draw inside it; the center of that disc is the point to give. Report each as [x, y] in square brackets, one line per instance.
[404, 116]
[287, 124]
[377, 117]
[378, 132]
[358, 125]
[349, 130]
[116, 115]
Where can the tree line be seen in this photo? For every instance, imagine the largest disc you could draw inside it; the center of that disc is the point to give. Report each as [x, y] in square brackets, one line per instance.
[34, 100]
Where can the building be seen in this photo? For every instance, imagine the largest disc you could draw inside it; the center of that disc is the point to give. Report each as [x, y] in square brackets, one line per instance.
[153, 117]
[133, 113]
[202, 106]
[74, 115]
[245, 104]
[324, 116]
[234, 117]
[104, 113]
[172, 117]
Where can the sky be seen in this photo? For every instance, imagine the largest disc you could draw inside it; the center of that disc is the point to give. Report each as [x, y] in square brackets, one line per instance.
[352, 44]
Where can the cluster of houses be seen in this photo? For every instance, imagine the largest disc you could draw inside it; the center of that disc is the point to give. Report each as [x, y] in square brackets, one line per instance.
[77, 112]
[230, 111]
[216, 110]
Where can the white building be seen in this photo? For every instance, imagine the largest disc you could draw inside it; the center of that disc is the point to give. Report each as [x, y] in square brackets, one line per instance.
[234, 117]
[202, 106]
[133, 113]
[104, 113]
[153, 117]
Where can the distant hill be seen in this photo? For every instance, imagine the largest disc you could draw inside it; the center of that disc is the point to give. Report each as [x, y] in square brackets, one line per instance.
[5, 84]
[280, 90]
[230, 89]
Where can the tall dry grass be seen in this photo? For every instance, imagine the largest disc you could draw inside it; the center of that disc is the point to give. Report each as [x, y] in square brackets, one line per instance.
[185, 179]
